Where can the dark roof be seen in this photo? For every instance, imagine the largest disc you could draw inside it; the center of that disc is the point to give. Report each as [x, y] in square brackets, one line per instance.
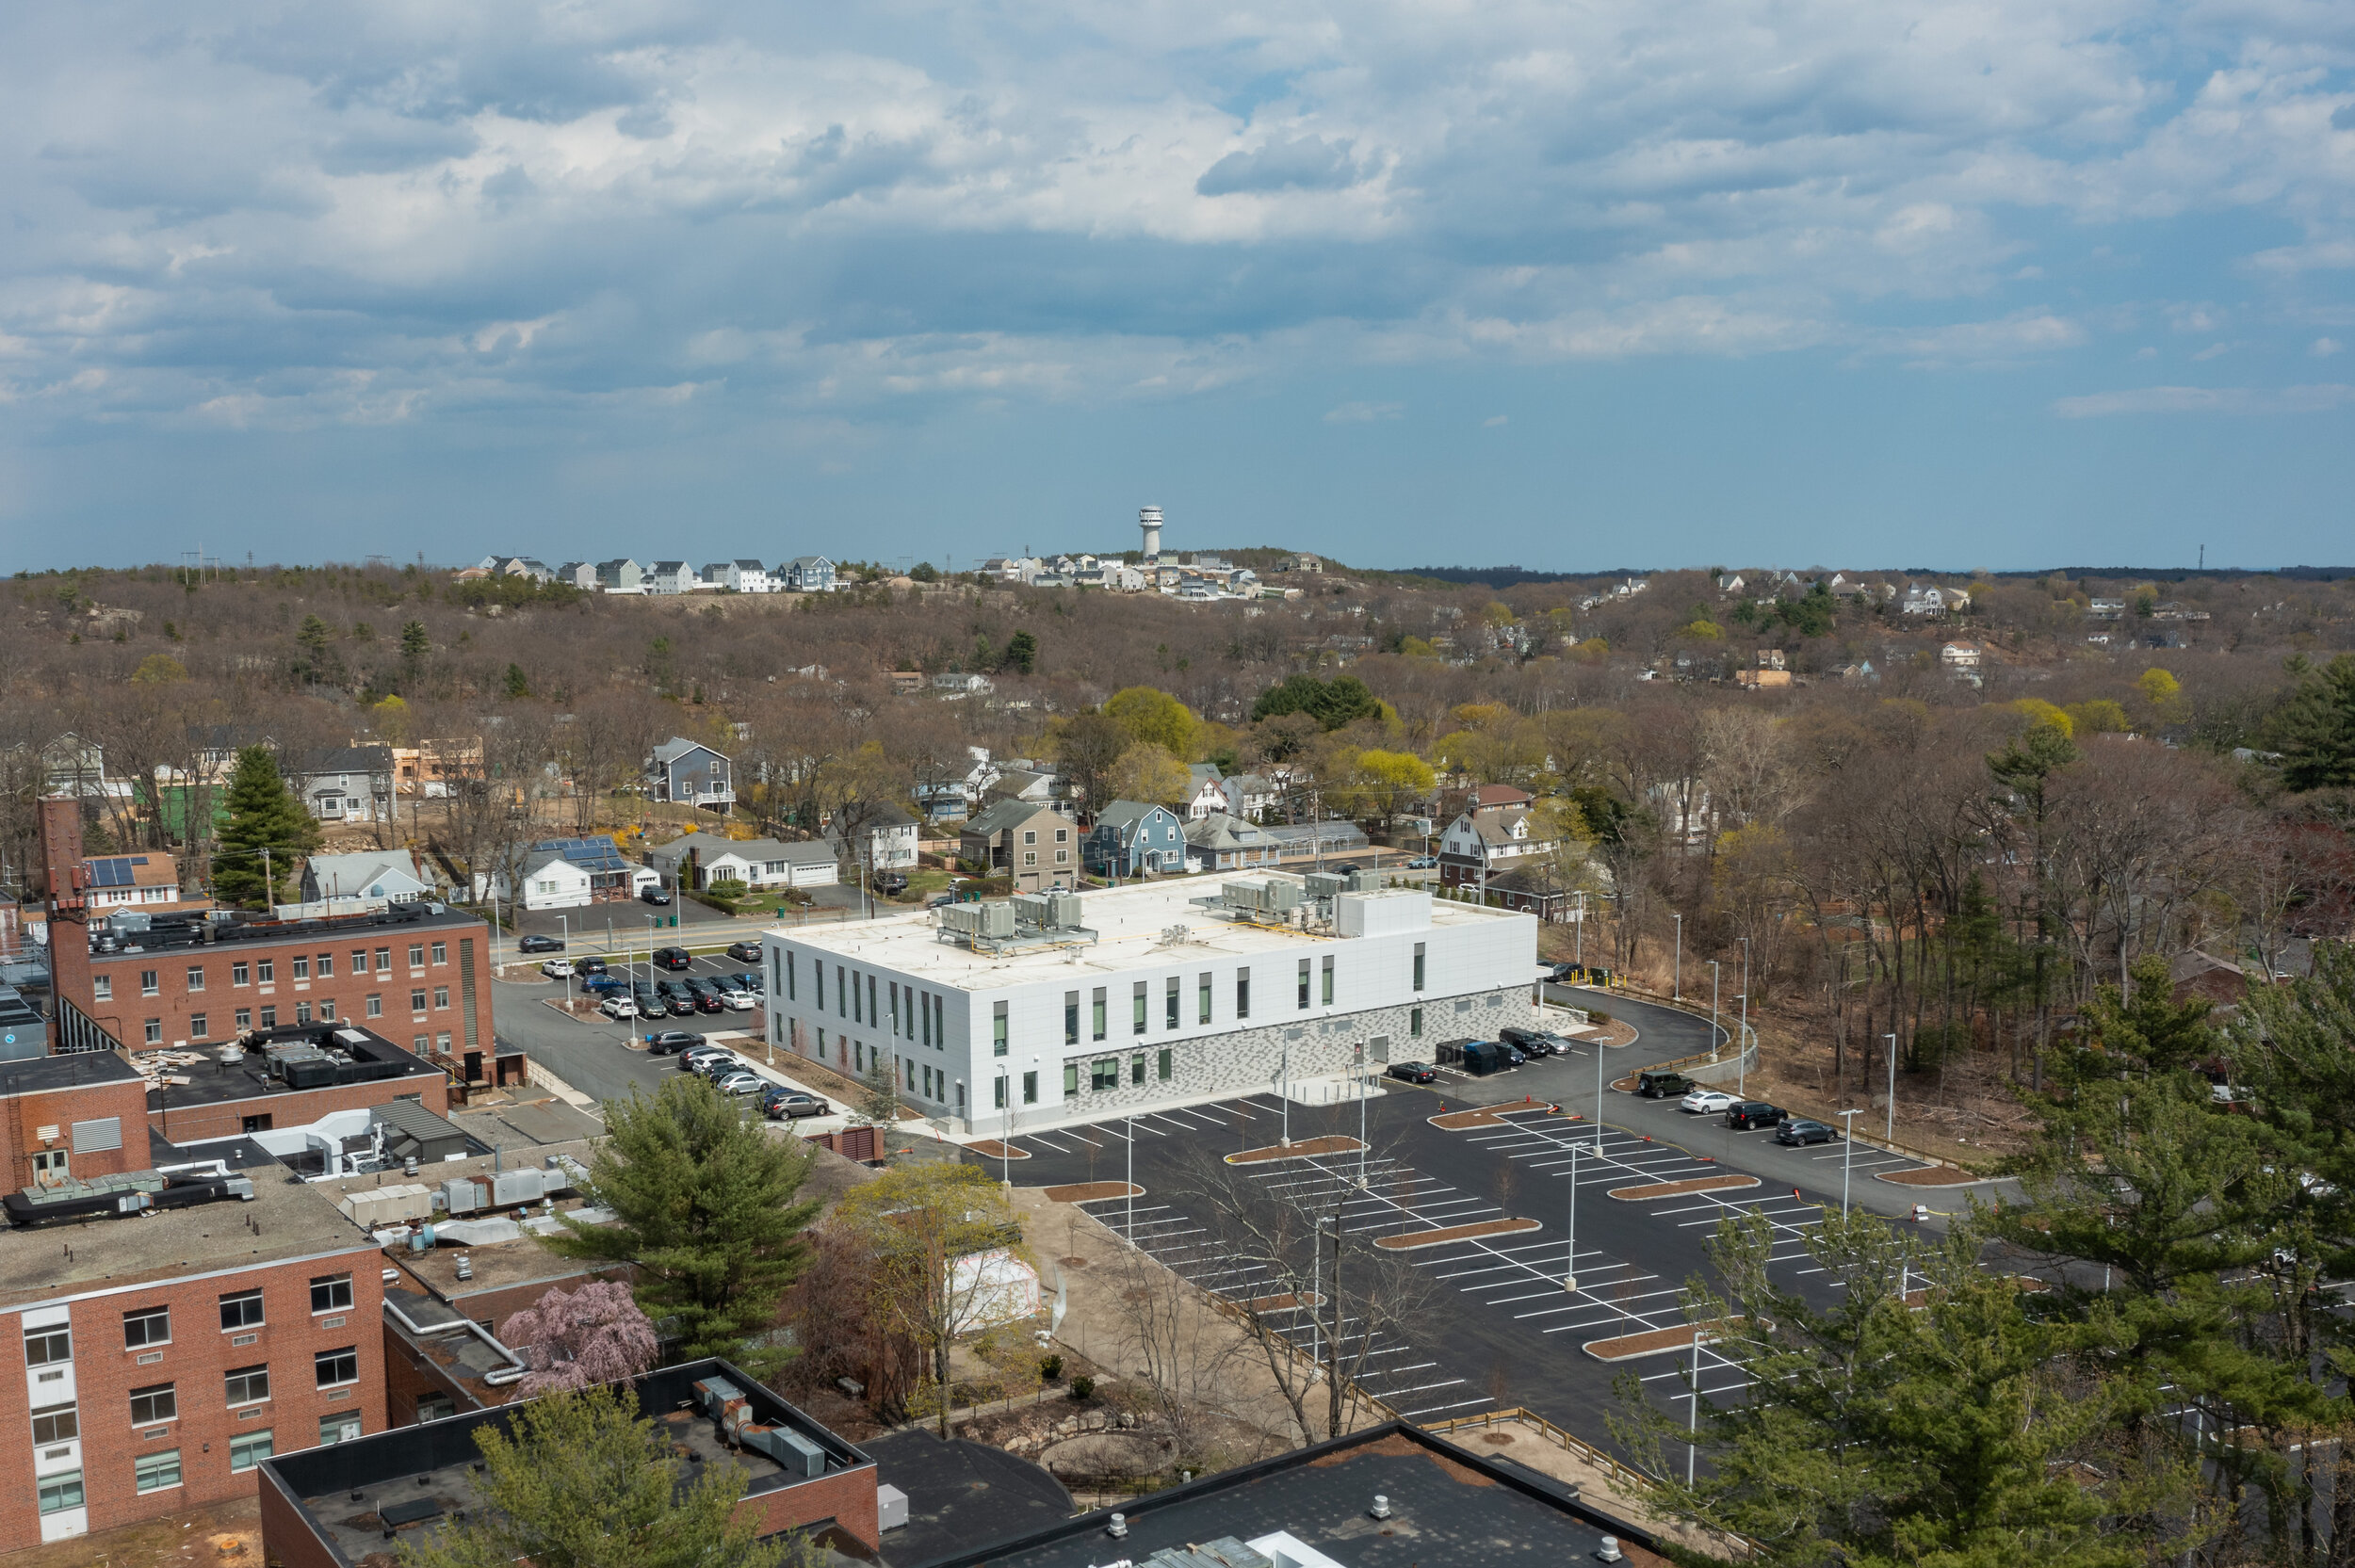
[1447, 1506]
[961, 1492]
[72, 1070]
[361, 1056]
[336, 759]
[376, 925]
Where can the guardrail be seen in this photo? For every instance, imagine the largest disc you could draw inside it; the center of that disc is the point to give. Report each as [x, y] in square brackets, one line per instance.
[1619, 1472]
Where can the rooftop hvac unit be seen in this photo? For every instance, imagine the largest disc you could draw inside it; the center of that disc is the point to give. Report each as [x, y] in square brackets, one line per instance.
[1324, 884]
[993, 918]
[1030, 909]
[1243, 895]
[526, 1186]
[462, 1196]
[1282, 894]
[1364, 879]
[1063, 910]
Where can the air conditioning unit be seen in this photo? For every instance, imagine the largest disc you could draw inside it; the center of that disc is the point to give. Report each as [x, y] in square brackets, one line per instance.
[460, 1195]
[1063, 910]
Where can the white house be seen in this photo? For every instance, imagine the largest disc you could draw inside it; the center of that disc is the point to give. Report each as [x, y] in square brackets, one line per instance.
[544, 880]
[700, 859]
[1250, 796]
[373, 876]
[742, 576]
[1205, 792]
[887, 843]
[808, 575]
[671, 576]
[954, 685]
[1960, 655]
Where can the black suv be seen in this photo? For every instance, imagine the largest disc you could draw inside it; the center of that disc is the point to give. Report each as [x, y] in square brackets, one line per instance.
[664, 1042]
[1662, 1085]
[1536, 1043]
[744, 952]
[1804, 1132]
[589, 966]
[673, 957]
[655, 894]
[889, 882]
[539, 945]
[1744, 1114]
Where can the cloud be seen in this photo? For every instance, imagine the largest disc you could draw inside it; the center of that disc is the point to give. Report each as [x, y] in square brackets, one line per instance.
[1299, 163]
[2200, 399]
[1493, 421]
[2323, 348]
[1363, 414]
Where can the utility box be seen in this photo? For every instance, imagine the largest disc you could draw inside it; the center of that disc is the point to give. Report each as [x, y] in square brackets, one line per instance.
[891, 1508]
[526, 1186]
[1383, 911]
[460, 1195]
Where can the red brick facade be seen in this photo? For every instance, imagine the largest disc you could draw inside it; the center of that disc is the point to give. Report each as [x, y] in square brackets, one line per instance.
[292, 1108]
[26, 1117]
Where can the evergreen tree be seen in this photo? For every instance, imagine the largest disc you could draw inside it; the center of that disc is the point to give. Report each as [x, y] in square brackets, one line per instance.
[2314, 731]
[580, 1479]
[1022, 653]
[705, 1209]
[415, 644]
[518, 687]
[263, 814]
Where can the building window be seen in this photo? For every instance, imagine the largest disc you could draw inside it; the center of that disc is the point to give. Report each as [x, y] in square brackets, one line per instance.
[999, 1102]
[1202, 1000]
[1030, 837]
[248, 1451]
[441, 1042]
[1414, 1022]
[266, 970]
[330, 1293]
[872, 1014]
[1030, 857]
[1303, 982]
[791, 978]
[416, 955]
[303, 1012]
[258, 1123]
[246, 1386]
[1030, 1089]
[1417, 966]
[441, 952]
[1070, 1080]
[60, 1492]
[196, 977]
[56, 1424]
[375, 1005]
[245, 1019]
[341, 1428]
[302, 969]
[241, 1311]
[154, 1031]
[327, 966]
[1243, 993]
[1328, 980]
[1137, 1008]
[997, 1030]
[1104, 1073]
[441, 998]
[358, 960]
[383, 960]
[102, 988]
[421, 1043]
[1164, 1065]
[335, 1367]
[48, 1346]
[237, 975]
[841, 1003]
[1071, 1018]
[197, 1026]
[416, 1001]
[1136, 1070]
[153, 1403]
[143, 1326]
[147, 983]
[1061, 835]
[1097, 1016]
[327, 1009]
[269, 1018]
[157, 1472]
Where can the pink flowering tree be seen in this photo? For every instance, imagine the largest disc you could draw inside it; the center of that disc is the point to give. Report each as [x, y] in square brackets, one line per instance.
[575, 1339]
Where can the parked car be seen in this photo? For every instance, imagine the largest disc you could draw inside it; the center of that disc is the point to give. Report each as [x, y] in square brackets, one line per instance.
[589, 966]
[1343, 867]
[1514, 1054]
[1664, 1084]
[1423, 863]
[940, 901]
[1744, 1114]
[890, 881]
[740, 1082]
[1414, 1071]
[618, 1007]
[539, 945]
[696, 1058]
[786, 1105]
[744, 952]
[673, 957]
[1706, 1102]
[736, 999]
[1805, 1132]
[1536, 1043]
[601, 985]
[748, 979]
[557, 969]
[665, 1041]
[696, 985]
[655, 894]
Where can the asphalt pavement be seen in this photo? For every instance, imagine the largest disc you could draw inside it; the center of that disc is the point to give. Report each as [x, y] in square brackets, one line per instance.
[593, 1054]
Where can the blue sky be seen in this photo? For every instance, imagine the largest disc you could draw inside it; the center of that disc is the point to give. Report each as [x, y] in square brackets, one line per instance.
[1870, 282]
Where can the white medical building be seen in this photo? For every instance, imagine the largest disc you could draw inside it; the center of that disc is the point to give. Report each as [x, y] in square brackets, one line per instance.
[1080, 1004]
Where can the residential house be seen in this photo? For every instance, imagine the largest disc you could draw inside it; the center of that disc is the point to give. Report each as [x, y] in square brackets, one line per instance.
[427, 771]
[1303, 561]
[1495, 831]
[954, 685]
[1020, 782]
[526, 566]
[741, 576]
[1960, 655]
[1034, 845]
[342, 784]
[579, 574]
[1930, 599]
[2217, 981]
[905, 683]
[1222, 842]
[373, 878]
[1534, 889]
[612, 879]
[808, 575]
[886, 842]
[687, 772]
[2105, 609]
[620, 576]
[700, 859]
[670, 578]
[1135, 838]
[952, 796]
[1250, 796]
[1202, 792]
[546, 880]
[71, 766]
[146, 884]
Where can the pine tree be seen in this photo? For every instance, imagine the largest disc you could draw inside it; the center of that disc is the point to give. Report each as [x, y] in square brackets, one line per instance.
[705, 1209]
[415, 644]
[1022, 653]
[516, 684]
[263, 814]
[2314, 731]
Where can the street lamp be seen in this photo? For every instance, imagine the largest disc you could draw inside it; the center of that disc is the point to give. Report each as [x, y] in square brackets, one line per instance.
[1848, 1151]
[1569, 1255]
[1890, 1101]
[1676, 983]
[1578, 949]
[1715, 1028]
[1005, 1126]
[1742, 1049]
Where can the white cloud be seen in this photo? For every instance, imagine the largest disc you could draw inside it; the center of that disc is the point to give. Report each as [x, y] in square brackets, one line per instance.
[2323, 348]
[1493, 421]
[1363, 414]
[2202, 399]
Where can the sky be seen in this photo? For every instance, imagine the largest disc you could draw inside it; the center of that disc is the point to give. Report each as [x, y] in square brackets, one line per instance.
[1965, 285]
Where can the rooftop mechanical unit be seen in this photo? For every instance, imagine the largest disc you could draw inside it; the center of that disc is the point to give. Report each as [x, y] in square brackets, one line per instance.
[993, 918]
[1325, 884]
[1046, 911]
[1273, 898]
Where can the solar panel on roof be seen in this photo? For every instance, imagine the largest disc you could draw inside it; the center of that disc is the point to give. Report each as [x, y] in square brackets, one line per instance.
[594, 854]
[110, 873]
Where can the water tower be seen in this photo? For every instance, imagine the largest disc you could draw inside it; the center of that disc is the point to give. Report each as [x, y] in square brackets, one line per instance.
[1149, 520]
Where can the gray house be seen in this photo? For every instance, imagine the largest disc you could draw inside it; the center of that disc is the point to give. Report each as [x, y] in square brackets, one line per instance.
[1222, 842]
[690, 773]
[671, 576]
[342, 784]
[1135, 838]
[808, 575]
[371, 876]
[620, 576]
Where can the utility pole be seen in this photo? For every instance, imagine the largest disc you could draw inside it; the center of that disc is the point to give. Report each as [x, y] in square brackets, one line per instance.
[1742, 1050]
[1578, 949]
[1848, 1151]
[1676, 983]
[270, 883]
[1715, 1028]
[1889, 1131]
[1570, 1252]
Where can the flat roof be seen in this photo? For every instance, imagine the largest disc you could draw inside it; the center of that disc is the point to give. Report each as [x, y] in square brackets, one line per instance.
[210, 1081]
[285, 1219]
[67, 1070]
[245, 935]
[1128, 923]
[1447, 1506]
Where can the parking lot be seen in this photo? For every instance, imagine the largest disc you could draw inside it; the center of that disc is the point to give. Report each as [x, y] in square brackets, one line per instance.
[595, 1055]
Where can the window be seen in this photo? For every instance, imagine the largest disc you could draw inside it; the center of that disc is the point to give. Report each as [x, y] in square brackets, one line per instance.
[154, 1031]
[1030, 857]
[1327, 990]
[196, 977]
[241, 1311]
[327, 966]
[416, 1001]
[819, 970]
[303, 1012]
[383, 960]
[1070, 1080]
[416, 955]
[441, 1042]
[269, 1018]
[301, 969]
[1097, 1015]
[1137, 1005]
[791, 977]
[1202, 1000]
[1063, 835]
[1164, 1065]
[265, 970]
[103, 987]
[341, 1428]
[258, 1123]
[1062, 855]
[1243, 993]
[1169, 1004]
[1030, 1089]
[441, 952]
[1030, 837]
[1136, 1070]
[376, 1004]
[997, 1030]
[156, 1472]
[237, 975]
[337, 1366]
[251, 1449]
[441, 997]
[147, 983]
[858, 1003]
[48, 1346]
[56, 1424]
[245, 1019]
[246, 1386]
[153, 1403]
[327, 1009]
[197, 1026]
[1417, 966]
[872, 1014]
[1414, 1022]
[60, 1492]
[1071, 1018]
[421, 1043]
[841, 1003]
[358, 960]
[894, 990]
[143, 1326]
[1303, 982]
[330, 1293]
[1104, 1073]
[999, 1101]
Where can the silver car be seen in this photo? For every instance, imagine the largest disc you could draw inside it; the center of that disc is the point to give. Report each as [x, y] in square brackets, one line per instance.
[1705, 1102]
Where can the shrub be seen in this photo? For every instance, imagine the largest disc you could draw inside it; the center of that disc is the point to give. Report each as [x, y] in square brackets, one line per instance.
[1081, 1386]
[1050, 1368]
[1597, 1017]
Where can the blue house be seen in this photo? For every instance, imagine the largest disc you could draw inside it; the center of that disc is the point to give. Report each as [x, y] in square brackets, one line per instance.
[1134, 839]
[808, 575]
[691, 773]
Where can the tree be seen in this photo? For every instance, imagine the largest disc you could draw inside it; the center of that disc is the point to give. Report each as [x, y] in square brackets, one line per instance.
[879, 1093]
[1392, 781]
[573, 1340]
[2314, 731]
[1153, 716]
[415, 643]
[264, 815]
[159, 670]
[1022, 653]
[580, 1479]
[705, 1208]
[1332, 704]
[517, 685]
[918, 1221]
[1086, 747]
[1151, 772]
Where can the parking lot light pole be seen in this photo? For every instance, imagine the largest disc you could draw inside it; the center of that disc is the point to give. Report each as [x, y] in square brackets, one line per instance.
[1005, 1127]
[1693, 1423]
[1847, 1152]
[1570, 1254]
[1715, 1028]
[1890, 1132]
[1742, 1050]
[1578, 948]
[1675, 982]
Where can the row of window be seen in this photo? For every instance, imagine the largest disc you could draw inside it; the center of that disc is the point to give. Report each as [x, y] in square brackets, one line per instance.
[916, 1016]
[160, 1471]
[201, 1023]
[265, 971]
[147, 1326]
[158, 1402]
[1103, 1072]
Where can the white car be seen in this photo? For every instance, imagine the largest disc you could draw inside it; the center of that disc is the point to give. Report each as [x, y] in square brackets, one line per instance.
[558, 969]
[1706, 1102]
[618, 1007]
[740, 1082]
[739, 1001]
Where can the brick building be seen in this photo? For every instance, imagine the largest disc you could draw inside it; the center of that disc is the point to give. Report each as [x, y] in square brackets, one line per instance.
[193, 1100]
